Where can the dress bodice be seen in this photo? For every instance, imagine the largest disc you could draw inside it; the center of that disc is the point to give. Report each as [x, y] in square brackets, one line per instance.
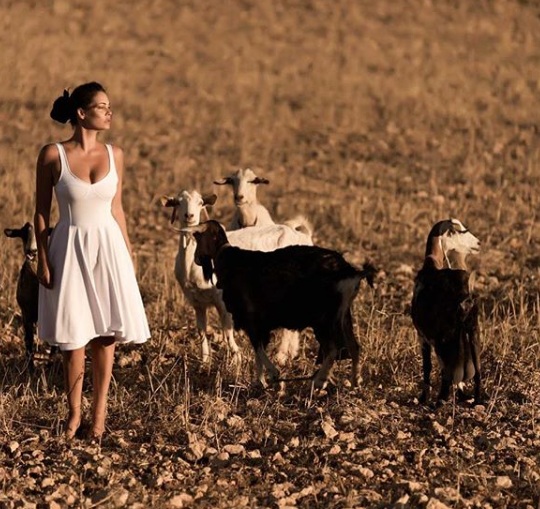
[82, 202]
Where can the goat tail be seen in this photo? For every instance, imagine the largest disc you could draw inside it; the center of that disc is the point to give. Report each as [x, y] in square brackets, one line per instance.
[368, 272]
[301, 224]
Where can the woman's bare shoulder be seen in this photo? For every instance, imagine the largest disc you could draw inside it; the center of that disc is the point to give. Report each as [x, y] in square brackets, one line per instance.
[118, 155]
[117, 151]
[48, 154]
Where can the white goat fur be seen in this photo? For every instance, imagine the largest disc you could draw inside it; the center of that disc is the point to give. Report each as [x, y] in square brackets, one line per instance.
[249, 212]
[187, 207]
[201, 294]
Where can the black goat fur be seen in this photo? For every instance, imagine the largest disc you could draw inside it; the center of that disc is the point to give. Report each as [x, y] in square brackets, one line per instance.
[445, 315]
[28, 290]
[294, 287]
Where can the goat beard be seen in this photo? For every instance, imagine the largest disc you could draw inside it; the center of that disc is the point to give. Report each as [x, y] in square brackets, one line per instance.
[207, 267]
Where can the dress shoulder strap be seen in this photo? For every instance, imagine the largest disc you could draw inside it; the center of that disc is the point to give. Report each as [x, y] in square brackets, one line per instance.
[112, 163]
[63, 160]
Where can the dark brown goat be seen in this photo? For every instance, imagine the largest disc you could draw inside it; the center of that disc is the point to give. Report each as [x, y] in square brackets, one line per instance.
[28, 287]
[294, 287]
[444, 312]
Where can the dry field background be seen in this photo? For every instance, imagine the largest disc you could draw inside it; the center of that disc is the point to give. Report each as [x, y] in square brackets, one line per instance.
[374, 119]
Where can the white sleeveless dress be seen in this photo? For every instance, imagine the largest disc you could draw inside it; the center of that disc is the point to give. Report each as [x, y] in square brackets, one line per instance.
[95, 292]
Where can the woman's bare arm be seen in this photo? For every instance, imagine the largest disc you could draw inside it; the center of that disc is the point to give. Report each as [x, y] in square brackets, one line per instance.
[117, 208]
[47, 170]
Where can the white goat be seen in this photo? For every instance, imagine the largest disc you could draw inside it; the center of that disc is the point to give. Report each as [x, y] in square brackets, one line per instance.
[200, 293]
[249, 212]
[271, 237]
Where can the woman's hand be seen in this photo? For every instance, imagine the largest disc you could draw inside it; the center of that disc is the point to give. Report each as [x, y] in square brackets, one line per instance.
[44, 275]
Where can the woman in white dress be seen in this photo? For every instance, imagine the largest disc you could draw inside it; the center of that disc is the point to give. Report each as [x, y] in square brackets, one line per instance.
[88, 293]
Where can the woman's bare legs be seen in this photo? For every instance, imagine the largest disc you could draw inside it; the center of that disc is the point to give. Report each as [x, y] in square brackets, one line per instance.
[73, 362]
[102, 364]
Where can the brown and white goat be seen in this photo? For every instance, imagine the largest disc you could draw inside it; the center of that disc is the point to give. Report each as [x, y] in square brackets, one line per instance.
[28, 287]
[443, 310]
[200, 293]
[294, 287]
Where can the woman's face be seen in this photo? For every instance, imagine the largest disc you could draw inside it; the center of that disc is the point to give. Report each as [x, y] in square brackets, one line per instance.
[98, 114]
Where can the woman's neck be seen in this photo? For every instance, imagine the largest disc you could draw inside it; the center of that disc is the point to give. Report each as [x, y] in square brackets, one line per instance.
[84, 138]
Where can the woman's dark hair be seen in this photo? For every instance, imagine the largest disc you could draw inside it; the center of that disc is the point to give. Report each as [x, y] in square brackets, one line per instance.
[66, 106]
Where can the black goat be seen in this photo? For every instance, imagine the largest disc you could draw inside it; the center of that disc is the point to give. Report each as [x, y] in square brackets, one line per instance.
[444, 312]
[28, 287]
[294, 287]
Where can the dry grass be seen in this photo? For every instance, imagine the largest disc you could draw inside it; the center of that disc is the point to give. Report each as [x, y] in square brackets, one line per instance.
[374, 119]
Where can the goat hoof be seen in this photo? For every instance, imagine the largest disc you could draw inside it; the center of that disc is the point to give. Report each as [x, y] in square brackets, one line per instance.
[479, 399]
[356, 382]
[319, 384]
[424, 395]
[462, 396]
[441, 403]
[259, 386]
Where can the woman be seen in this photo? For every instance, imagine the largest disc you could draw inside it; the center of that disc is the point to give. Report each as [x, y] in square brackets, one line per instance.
[88, 292]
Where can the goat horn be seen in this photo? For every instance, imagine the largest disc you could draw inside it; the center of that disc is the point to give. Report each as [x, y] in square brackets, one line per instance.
[260, 180]
[223, 181]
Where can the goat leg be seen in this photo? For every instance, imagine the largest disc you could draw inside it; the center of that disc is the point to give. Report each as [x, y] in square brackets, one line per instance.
[426, 367]
[52, 353]
[288, 347]
[353, 347]
[228, 330]
[262, 361]
[28, 326]
[477, 372]
[200, 316]
[446, 384]
[322, 374]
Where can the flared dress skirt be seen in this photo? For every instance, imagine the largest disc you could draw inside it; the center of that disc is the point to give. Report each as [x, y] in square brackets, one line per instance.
[95, 291]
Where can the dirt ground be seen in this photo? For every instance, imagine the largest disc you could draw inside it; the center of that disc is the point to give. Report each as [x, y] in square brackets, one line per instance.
[372, 119]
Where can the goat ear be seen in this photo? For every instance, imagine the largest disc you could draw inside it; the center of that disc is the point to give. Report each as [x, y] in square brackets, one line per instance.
[446, 260]
[167, 201]
[209, 199]
[207, 268]
[223, 181]
[197, 228]
[260, 180]
[10, 232]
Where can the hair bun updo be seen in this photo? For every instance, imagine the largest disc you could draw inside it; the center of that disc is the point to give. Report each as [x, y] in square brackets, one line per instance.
[61, 110]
